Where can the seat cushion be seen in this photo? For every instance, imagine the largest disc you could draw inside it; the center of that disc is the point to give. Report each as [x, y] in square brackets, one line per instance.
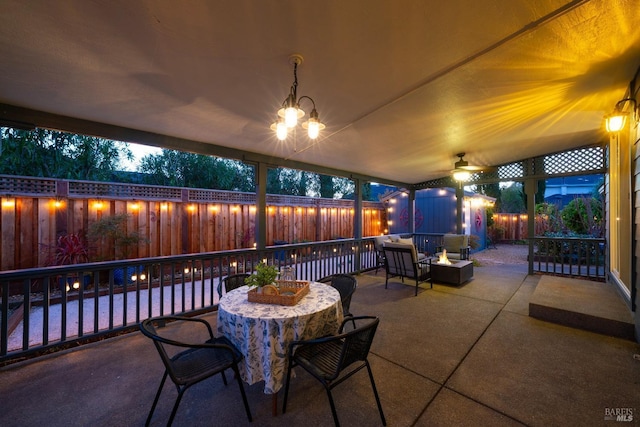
[385, 238]
[409, 241]
[405, 245]
[454, 242]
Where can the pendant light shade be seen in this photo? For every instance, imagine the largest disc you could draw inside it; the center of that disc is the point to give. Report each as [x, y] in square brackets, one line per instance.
[313, 125]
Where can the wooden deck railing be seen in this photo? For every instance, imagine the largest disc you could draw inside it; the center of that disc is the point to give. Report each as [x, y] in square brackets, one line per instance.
[52, 307]
[567, 256]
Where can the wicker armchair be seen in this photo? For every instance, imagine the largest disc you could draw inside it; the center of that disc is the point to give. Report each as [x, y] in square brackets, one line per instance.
[326, 358]
[232, 282]
[189, 363]
[346, 285]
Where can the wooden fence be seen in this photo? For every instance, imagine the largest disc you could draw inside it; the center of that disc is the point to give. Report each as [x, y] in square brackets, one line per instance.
[509, 227]
[171, 221]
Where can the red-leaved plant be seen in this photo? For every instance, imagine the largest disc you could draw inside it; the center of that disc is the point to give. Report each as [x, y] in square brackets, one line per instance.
[69, 249]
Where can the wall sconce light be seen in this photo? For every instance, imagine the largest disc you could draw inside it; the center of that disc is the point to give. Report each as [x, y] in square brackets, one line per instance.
[290, 112]
[8, 202]
[98, 205]
[615, 121]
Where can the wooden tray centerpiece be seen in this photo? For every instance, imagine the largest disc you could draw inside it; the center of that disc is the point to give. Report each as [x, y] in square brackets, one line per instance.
[265, 289]
[286, 292]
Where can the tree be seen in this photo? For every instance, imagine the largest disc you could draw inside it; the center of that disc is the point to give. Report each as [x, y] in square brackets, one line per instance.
[548, 219]
[287, 181]
[182, 169]
[583, 215]
[491, 190]
[53, 154]
[511, 200]
[326, 186]
[335, 187]
[113, 230]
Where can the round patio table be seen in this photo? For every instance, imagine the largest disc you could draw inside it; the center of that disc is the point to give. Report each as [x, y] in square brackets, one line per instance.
[263, 332]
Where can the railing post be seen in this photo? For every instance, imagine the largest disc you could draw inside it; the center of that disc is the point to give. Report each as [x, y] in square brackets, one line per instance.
[357, 221]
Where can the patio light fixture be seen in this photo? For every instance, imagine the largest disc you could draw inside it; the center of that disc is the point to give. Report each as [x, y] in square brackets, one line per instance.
[615, 121]
[462, 170]
[461, 175]
[291, 112]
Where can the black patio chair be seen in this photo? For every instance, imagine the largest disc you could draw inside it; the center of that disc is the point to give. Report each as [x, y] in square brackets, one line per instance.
[189, 363]
[326, 358]
[232, 282]
[346, 285]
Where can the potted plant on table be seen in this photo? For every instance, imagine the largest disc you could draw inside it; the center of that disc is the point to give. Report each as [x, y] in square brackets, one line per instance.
[263, 279]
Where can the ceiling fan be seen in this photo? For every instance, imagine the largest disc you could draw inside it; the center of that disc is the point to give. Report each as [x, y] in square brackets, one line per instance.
[462, 169]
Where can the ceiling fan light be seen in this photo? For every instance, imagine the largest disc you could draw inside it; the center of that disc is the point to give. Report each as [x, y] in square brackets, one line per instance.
[461, 175]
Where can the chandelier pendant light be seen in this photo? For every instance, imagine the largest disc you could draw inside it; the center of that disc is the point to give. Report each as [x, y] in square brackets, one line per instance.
[291, 112]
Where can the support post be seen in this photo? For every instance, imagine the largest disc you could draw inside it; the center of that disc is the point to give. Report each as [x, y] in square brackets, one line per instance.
[412, 211]
[530, 189]
[459, 210]
[261, 206]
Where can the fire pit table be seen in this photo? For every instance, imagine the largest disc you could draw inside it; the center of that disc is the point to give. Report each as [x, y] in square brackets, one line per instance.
[455, 273]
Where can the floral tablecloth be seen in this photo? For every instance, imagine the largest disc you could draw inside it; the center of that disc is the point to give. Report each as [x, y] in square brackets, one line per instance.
[263, 332]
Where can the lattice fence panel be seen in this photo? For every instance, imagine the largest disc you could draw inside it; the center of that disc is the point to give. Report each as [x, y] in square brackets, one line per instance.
[123, 191]
[573, 161]
[18, 185]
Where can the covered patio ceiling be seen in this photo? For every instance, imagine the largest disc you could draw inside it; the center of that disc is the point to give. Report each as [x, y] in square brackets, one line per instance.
[401, 85]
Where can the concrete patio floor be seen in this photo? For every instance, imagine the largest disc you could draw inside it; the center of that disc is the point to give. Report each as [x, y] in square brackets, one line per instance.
[467, 355]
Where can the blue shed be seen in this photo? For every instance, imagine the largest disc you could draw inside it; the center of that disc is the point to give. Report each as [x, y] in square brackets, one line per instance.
[435, 213]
